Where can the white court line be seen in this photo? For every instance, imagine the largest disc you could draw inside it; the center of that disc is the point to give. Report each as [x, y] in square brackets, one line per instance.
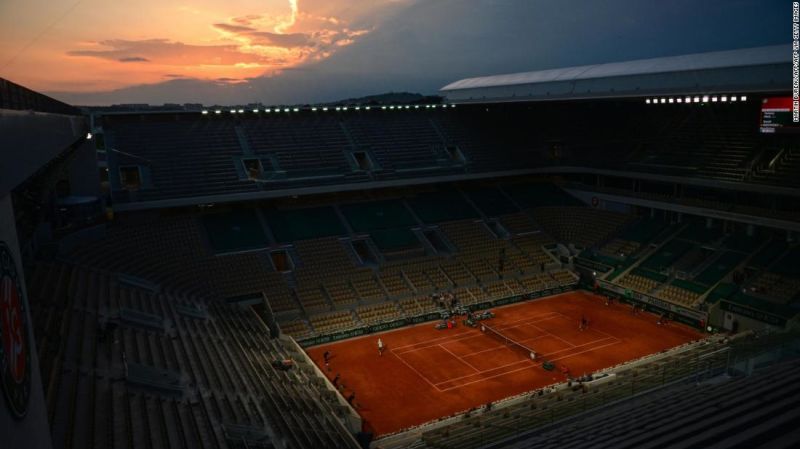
[590, 328]
[453, 339]
[552, 335]
[524, 368]
[425, 378]
[460, 359]
[483, 379]
[526, 360]
[470, 335]
[534, 317]
[586, 350]
[528, 321]
[432, 340]
[554, 352]
[459, 337]
[494, 348]
[489, 371]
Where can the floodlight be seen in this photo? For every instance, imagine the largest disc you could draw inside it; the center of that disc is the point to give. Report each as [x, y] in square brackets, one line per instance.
[217, 112]
[205, 112]
[88, 136]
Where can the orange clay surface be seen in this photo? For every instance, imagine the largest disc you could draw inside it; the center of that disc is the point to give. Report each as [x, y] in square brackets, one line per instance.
[426, 373]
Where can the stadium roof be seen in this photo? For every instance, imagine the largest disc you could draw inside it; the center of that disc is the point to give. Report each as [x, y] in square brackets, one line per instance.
[759, 69]
[34, 129]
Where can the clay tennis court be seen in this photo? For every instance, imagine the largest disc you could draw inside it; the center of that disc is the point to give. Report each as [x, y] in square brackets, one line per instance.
[427, 373]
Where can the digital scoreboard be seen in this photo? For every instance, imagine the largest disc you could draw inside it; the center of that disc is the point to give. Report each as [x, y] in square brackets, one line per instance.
[776, 116]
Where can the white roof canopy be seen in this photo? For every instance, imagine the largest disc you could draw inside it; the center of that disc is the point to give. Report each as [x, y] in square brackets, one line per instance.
[759, 69]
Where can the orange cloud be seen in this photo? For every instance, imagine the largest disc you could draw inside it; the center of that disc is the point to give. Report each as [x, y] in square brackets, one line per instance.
[166, 52]
[203, 42]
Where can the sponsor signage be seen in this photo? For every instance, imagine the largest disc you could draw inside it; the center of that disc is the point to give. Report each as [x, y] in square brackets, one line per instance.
[758, 315]
[15, 361]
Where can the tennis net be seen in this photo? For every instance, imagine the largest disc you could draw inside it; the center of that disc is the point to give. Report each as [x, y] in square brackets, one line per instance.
[510, 342]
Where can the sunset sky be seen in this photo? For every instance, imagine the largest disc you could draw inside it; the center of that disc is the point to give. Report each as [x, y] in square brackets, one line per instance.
[96, 52]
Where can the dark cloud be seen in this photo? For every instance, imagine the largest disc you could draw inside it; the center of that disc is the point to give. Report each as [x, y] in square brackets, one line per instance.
[164, 51]
[265, 38]
[280, 40]
[246, 20]
[133, 59]
[233, 28]
[429, 44]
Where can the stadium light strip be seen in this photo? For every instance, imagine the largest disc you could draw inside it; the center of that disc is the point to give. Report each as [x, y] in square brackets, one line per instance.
[683, 100]
[383, 107]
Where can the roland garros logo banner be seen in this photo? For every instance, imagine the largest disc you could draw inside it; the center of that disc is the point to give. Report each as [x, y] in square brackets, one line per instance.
[15, 368]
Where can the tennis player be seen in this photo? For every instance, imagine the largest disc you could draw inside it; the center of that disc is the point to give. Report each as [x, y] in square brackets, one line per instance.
[380, 346]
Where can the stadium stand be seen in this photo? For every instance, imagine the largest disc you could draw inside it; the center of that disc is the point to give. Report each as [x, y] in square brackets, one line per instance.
[315, 284]
[289, 225]
[232, 241]
[566, 415]
[308, 150]
[185, 372]
[532, 410]
[683, 422]
[580, 225]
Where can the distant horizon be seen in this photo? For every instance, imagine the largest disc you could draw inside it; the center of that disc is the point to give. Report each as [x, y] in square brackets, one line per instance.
[322, 51]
